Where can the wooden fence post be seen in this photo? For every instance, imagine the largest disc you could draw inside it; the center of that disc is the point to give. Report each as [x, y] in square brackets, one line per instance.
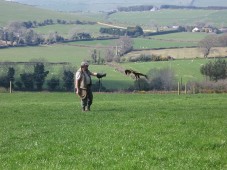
[178, 88]
[185, 88]
[10, 87]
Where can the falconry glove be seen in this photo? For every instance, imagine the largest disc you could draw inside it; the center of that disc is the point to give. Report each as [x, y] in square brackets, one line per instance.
[101, 75]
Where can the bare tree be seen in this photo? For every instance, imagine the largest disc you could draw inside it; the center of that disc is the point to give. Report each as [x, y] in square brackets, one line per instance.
[109, 54]
[154, 25]
[94, 55]
[206, 45]
[124, 45]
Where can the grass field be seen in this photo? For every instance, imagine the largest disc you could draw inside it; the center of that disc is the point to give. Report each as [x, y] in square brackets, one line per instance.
[187, 70]
[171, 17]
[52, 53]
[76, 52]
[182, 36]
[66, 30]
[11, 11]
[123, 131]
[141, 43]
[97, 5]
[73, 52]
[181, 53]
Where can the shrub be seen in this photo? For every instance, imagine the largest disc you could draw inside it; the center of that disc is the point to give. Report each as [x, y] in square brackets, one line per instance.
[141, 58]
[209, 86]
[148, 58]
[68, 78]
[215, 70]
[27, 80]
[162, 79]
[53, 83]
[141, 84]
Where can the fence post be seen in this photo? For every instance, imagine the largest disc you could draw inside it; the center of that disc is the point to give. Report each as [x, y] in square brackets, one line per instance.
[185, 88]
[10, 87]
[178, 88]
[193, 89]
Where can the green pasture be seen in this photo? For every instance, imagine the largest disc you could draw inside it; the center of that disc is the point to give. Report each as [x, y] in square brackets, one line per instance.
[98, 5]
[210, 2]
[67, 30]
[187, 70]
[52, 53]
[141, 43]
[171, 17]
[180, 53]
[17, 12]
[123, 131]
[114, 79]
[182, 36]
[96, 43]
[77, 51]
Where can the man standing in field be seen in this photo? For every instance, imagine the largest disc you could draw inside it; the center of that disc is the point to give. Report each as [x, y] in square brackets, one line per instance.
[83, 85]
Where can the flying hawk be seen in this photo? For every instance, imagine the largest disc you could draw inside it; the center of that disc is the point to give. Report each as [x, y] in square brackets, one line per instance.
[137, 74]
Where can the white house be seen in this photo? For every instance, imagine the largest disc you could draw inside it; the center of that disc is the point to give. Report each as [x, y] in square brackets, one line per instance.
[196, 29]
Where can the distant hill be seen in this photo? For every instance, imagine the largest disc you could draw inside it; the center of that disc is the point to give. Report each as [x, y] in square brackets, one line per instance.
[11, 11]
[108, 5]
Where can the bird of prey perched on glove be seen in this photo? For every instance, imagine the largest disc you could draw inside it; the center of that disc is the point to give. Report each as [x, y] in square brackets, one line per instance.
[136, 74]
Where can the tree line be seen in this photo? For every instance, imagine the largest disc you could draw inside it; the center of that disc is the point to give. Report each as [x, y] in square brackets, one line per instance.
[21, 33]
[34, 81]
[129, 31]
[35, 24]
[135, 8]
[192, 7]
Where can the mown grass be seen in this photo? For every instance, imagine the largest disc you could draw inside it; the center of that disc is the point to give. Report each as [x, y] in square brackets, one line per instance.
[123, 131]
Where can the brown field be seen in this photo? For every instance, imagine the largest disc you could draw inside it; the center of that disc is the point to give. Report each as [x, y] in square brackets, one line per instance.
[181, 53]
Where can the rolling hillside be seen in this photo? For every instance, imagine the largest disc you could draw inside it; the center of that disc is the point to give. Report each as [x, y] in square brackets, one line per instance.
[107, 5]
[11, 11]
[75, 52]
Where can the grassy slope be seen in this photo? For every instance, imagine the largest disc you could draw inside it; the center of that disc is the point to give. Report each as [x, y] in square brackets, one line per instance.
[188, 70]
[74, 54]
[171, 17]
[64, 53]
[181, 53]
[97, 5]
[53, 53]
[210, 3]
[141, 43]
[48, 131]
[182, 36]
[65, 30]
[17, 12]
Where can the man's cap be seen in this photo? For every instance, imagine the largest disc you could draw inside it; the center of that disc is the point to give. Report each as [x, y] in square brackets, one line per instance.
[84, 63]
